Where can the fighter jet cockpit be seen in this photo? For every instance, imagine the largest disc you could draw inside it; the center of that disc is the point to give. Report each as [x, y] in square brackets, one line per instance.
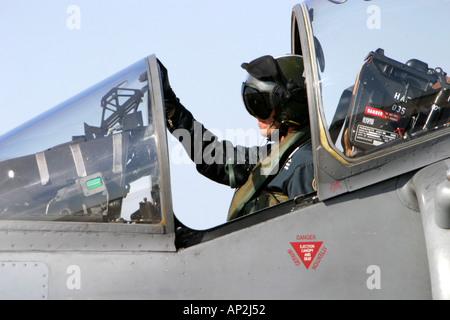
[377, 94]
[93, 158]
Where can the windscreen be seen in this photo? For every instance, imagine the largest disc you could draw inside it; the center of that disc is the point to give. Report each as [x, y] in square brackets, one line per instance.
[92, 158]
[383, 69]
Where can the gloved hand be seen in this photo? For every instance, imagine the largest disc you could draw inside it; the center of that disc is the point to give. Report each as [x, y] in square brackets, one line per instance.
[170, 99]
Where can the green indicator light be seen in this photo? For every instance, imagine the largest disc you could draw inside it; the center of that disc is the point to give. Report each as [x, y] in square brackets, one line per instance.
[94, 183]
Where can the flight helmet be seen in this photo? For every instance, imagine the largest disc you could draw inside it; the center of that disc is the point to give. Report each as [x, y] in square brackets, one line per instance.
[276, 83]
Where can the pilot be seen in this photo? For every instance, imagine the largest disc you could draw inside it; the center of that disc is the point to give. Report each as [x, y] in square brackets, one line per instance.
[274, 92]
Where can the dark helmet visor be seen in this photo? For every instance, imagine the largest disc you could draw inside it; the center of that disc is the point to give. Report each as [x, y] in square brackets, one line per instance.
[257, 103]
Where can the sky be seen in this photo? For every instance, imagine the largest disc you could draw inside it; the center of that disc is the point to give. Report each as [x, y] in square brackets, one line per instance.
[53, 49]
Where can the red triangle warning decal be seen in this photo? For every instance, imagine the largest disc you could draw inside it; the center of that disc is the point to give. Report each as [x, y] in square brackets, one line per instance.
[306, 251]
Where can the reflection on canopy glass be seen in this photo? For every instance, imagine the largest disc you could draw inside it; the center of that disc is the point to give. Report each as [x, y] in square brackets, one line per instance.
[92, 158]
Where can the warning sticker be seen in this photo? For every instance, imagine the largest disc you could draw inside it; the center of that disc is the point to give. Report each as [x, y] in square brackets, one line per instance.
[307, 252]
[382, 114]
[374, 136]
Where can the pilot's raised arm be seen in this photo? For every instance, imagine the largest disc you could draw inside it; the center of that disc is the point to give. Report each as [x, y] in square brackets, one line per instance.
[213, 158]
[274, 93]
